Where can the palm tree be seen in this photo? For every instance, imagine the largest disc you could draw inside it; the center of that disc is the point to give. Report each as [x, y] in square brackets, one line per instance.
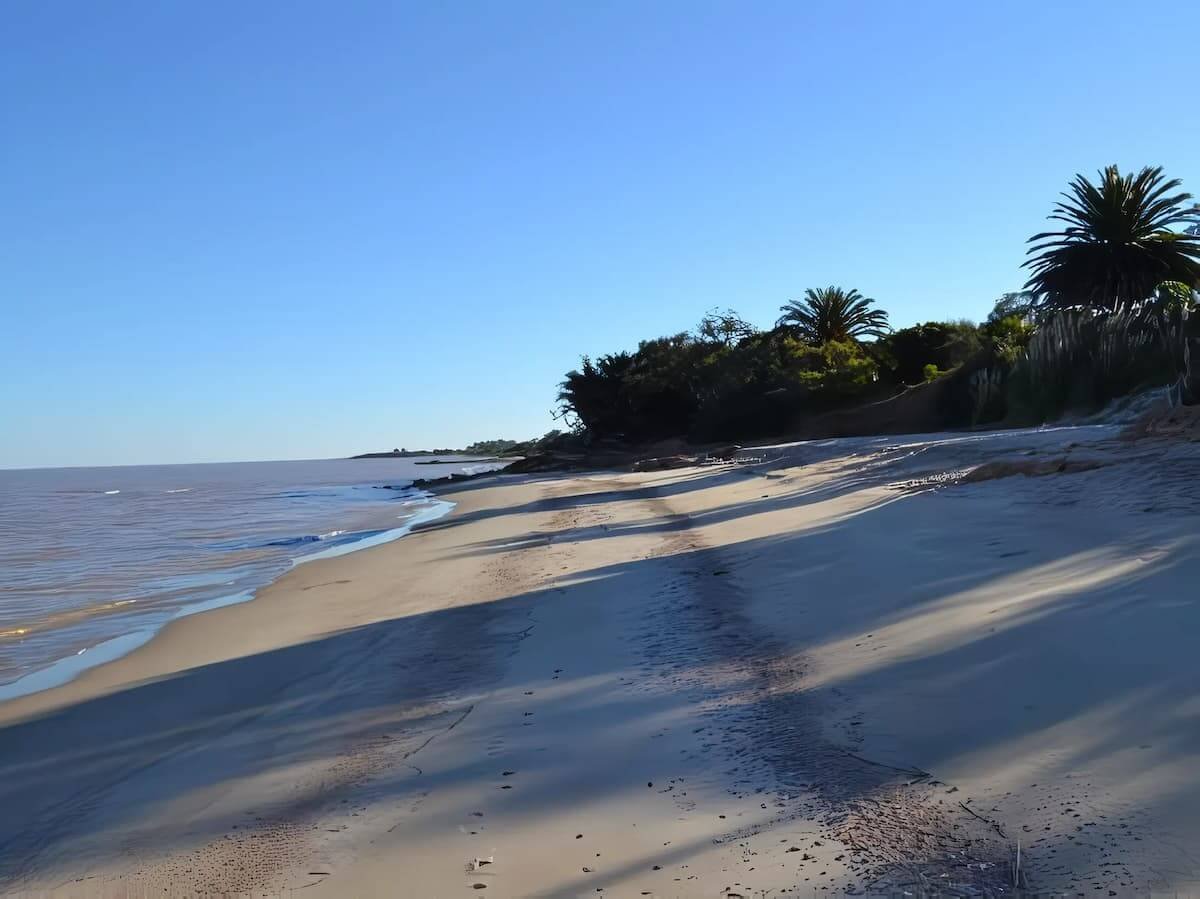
[1120, 242]
[831, 313]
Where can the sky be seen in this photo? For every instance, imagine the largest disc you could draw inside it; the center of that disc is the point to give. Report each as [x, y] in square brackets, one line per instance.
[304, 230]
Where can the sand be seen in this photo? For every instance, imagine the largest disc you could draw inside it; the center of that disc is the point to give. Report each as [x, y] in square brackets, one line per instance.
[859, 665]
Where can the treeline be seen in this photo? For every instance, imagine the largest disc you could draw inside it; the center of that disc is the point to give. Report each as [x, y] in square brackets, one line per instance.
[492, 447]
[515, 447]
[757, 383]
[1108, 309]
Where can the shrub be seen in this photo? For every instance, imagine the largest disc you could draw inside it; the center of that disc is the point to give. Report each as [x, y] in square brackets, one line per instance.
[904, 354]
[1080, 359]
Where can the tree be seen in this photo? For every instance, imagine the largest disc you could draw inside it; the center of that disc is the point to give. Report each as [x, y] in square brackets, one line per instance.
[1019, 303]
[723, 327]
[594, 398]
[1120, 242]
[831, 313]
[906, 353]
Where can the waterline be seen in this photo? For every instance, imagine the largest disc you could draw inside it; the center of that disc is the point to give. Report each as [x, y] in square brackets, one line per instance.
[63, 671]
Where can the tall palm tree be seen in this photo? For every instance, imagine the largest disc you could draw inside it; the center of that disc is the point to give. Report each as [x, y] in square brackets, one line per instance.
[831, 313]
[1120, 242]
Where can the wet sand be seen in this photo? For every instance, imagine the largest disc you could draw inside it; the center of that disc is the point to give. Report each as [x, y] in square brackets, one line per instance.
[840, 669]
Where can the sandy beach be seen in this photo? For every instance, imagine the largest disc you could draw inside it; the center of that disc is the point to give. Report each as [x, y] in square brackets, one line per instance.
[852, 666]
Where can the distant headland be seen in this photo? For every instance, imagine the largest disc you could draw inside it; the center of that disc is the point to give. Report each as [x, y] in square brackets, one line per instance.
[488, 448]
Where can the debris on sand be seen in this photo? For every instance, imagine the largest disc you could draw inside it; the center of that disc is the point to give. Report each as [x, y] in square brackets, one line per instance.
[1031, 467]
[1007, 468]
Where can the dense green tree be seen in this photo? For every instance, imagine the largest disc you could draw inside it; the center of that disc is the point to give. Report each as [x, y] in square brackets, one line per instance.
[491, 447]
[1005, 338]
[595, 397]
[944, 345]
[832, 313]
[1020, 303]
[1119, 244]
[711, 389]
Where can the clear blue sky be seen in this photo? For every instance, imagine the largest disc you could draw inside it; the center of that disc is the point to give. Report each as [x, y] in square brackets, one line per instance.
[237, 230]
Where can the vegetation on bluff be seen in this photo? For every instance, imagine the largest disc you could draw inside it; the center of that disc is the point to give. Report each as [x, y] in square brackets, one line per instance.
[1108, 309]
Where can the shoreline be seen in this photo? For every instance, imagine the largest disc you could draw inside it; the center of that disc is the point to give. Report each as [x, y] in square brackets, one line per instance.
[668, 680]
[64, 669]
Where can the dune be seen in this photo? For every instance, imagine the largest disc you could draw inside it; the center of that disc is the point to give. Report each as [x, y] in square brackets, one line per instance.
[865, 665]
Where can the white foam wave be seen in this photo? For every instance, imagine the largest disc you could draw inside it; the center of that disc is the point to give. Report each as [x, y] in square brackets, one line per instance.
[436, 509]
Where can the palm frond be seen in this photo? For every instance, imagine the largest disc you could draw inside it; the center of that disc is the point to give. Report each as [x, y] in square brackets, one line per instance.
[832, 313]
[1125, 236]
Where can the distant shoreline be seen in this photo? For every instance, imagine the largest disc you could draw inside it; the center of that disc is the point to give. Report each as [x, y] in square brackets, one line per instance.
[458, 461]
[408, 454]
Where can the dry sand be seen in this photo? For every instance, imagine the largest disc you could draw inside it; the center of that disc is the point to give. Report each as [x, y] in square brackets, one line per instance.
[854, 666]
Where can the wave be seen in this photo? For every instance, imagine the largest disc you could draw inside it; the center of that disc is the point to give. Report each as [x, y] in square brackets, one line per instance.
[287, 541]
[342, 536]
[217, 544]
[366, 539]
[64, 670]
[332, 537]
[339, 536]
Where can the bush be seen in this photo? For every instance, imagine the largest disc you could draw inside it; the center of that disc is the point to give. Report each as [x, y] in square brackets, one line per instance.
[720, 382]
[1082, 359]
[905, 354]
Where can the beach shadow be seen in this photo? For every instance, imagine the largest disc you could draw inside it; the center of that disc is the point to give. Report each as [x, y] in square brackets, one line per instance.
[118, 757]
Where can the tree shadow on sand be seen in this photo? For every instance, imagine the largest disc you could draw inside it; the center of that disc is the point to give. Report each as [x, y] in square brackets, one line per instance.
[115, 759]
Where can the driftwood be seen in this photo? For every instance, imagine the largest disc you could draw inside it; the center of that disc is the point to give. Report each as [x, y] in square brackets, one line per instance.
[988, 821]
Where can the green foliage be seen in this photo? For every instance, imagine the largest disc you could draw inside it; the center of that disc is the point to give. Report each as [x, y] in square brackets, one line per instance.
[1081, 359]
[551, 441]
[1119, 243]
[1021, 303]
[594, 397]
[725, 380]
[1176, 296]
[491, 447]
[904, 354]
[840, 366]
[1108, 309]
[1005, 339]
[831, 313]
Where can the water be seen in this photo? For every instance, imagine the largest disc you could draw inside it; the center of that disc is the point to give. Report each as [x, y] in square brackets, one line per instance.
[94, 560]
